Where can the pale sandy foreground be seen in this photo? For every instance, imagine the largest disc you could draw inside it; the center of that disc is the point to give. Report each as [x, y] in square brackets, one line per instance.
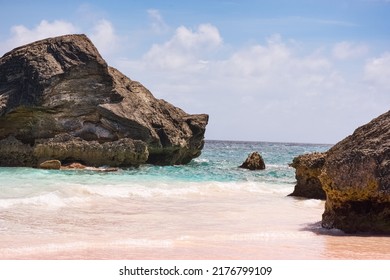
[190, 221]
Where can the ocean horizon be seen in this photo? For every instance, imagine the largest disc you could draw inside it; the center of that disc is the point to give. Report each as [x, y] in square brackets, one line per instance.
[207, 209]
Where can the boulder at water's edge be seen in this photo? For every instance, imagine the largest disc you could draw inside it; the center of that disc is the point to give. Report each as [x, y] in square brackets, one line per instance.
[308, 168]
[60, 100]
[356, 179]
[51, 164]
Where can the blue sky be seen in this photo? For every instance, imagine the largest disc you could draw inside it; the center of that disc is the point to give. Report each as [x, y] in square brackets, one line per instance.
[287, 71]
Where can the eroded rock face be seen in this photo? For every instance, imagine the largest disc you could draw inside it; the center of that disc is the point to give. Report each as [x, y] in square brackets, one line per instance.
[254, 161]
[123, 152]
[308, 168]
[356, 179]
[62, 87]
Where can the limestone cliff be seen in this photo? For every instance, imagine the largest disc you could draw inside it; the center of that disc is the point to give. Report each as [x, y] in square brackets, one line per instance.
[60, 100]
[356, 179]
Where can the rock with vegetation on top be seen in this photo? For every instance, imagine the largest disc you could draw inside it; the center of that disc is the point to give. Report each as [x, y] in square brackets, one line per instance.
[254, 161]
[356, 179]
[59, 100]
[308, 168]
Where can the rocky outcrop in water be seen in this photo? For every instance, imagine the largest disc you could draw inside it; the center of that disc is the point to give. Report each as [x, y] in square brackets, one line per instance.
[59, 100]
[356, 179]
[254, 161]
[308, 168]
[53, 164]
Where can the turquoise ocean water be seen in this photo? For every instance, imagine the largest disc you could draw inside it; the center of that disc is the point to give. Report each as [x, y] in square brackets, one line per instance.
[208, 209]
[218, 163]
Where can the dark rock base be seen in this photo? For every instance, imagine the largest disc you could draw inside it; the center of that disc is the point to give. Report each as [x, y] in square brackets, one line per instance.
[359, 216]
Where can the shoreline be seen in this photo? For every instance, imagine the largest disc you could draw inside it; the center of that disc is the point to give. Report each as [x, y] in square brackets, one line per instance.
[208, 210]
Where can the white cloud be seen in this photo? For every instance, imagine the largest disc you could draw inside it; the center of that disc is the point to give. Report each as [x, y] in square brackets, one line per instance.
[258, 60]
[377, 71]
[349, 50]
[21, 34]
[269, 91]
[274, 70]
[157, 22]
[104, 37]
[206, 36]
[184, 48]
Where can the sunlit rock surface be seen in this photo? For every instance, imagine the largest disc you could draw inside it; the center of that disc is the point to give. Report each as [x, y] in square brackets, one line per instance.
[59, 100]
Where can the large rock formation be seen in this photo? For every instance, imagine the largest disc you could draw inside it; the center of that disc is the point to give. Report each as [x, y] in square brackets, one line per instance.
[356, 179]
[308, 168]
[60, 100]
